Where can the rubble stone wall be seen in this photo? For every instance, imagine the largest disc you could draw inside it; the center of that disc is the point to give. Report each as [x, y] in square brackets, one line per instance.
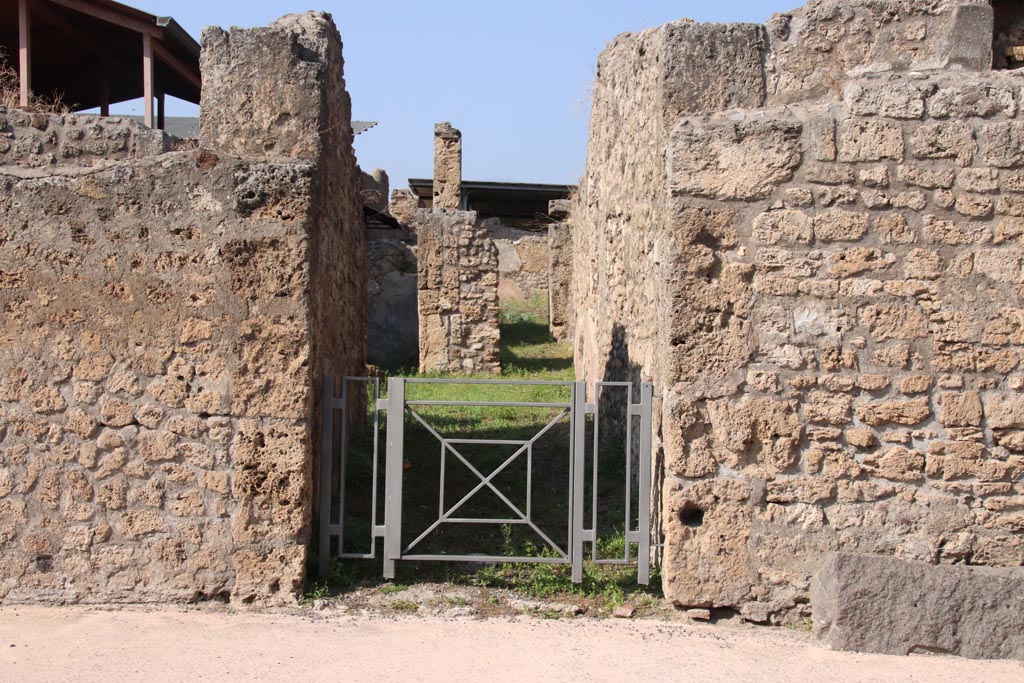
[458, 293]
[36, 140]
[560, 256]
[166, 323]
[827, 296]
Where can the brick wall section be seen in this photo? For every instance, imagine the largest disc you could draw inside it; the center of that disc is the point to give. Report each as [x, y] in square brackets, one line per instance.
[168, 323]
[35, 140]
[827, 297]
[458, 294]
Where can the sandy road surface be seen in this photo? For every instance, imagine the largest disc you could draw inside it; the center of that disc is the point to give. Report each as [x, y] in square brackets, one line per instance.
[61, 645]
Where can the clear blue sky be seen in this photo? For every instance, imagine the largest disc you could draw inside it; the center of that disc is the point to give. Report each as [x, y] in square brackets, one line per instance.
[514, 77]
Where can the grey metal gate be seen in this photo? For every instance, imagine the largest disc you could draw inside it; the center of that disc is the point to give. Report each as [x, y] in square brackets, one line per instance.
[342, 402]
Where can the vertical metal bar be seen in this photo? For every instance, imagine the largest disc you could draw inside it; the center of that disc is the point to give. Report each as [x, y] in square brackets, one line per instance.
[147, 78]
[597, 431]
[326, 466]
[376, 444]
[343, 464]
[643, 572]
[440, 497]
[579, 400]
[529, 482]
[393, 481]
[629, 468]
[24, 53]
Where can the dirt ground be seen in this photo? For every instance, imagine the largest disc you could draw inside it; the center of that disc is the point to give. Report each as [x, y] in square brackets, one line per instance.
[70, 644]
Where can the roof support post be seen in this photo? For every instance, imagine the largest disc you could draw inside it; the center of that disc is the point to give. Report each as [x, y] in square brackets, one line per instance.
[147, 77]
[24, 52]
[105, 90]
[160, 111]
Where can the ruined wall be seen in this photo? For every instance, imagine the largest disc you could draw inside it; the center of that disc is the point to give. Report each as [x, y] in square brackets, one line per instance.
[522, 263]
[374, 189]
[560, 317]
[166, 321]
[836, 289]
[458, 293]
[447, 167]
[36, 140]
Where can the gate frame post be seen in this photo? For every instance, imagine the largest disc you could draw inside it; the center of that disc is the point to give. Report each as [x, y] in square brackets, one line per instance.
[643, 551]
[326, 474]
[579, 448]
[393, 475]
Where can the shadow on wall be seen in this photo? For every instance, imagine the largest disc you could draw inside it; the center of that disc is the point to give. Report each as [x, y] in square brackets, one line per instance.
[620, 367]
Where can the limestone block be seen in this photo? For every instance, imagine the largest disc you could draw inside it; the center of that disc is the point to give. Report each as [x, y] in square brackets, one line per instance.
[960, 410]
[870, 140]
[944, 141]
[891, 100]
[785, 226]
[1004, 411]
[838, 225]
[881, 604]
[733, 161]
[1002, 144]
[905, 412]
[713, 67]
[975, 99]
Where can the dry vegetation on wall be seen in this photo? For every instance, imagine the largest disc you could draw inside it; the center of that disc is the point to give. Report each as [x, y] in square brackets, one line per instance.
[10, 92]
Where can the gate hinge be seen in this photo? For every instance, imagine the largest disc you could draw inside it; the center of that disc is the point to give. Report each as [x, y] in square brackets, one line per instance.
[636, 409]
[382, 404]
[590, 409]
[378, 531]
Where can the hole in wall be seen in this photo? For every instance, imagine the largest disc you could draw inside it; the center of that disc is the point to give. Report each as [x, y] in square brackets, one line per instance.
[691, 516]
[44, 564]
[1008, 38]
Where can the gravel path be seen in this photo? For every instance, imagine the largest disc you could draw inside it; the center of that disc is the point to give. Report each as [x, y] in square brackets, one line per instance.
[156, 645]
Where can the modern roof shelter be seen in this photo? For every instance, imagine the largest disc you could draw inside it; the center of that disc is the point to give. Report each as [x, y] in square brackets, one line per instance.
[521, 203]
[95, 53]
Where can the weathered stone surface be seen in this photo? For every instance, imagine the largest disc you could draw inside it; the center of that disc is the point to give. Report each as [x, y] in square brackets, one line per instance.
[861, 272]
[458, 293]
[447, 167]
[175, 306]
[391, 291]
[560, 316]
[871, 603]
[733, 161]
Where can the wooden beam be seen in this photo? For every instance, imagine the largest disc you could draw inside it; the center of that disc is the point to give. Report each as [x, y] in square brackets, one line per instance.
[147, 77]
[112, 17]
[24, 52]
[160, 111]
[168, 58]
[105, 90]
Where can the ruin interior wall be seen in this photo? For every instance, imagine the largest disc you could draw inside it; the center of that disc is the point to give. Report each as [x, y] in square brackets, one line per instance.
[458, 293]
[827, 296]
[559, 272]
[166, 323]
[523, 258]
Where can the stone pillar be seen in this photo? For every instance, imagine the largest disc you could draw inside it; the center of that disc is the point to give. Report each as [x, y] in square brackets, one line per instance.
[560, 271]
[447, 167]
[458, 294]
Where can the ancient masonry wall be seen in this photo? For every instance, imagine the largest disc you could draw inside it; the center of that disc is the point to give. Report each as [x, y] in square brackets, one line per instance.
[522, 263]
[560, 317]
[458, 293]
[826, 294]
[392, 294]
[34, 140]
[166, 322]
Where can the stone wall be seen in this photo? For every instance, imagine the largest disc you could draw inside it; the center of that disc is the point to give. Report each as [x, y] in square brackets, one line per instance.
[560, 317]
[458, 293]
[447, 167]
[523, 257]
[826, 294]
[167, 322]
[35, 140]
[374, 189]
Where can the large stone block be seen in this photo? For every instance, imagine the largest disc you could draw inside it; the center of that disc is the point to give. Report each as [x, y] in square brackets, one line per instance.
[870, 603]
[733, 161]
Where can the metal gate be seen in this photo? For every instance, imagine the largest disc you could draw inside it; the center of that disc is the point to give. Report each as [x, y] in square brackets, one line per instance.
[351, 400]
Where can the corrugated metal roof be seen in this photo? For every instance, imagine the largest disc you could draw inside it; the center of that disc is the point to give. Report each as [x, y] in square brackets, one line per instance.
[362, 126]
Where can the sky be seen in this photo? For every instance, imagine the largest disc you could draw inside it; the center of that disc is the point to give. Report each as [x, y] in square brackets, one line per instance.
[514, 77]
